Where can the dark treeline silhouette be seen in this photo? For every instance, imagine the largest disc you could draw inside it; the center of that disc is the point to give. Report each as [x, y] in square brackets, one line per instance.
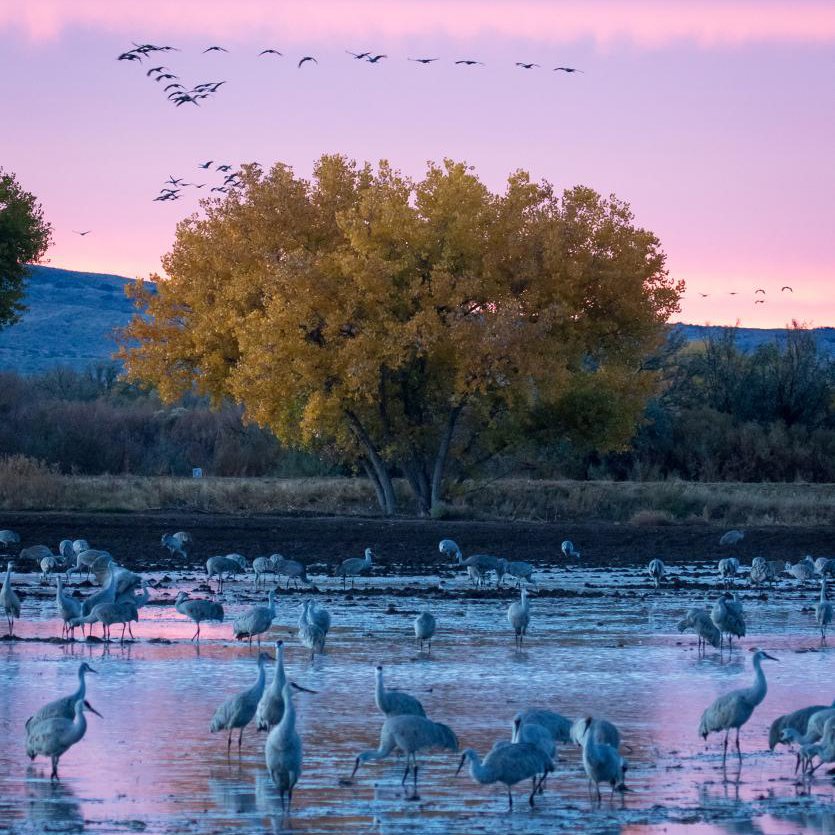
[723, 415]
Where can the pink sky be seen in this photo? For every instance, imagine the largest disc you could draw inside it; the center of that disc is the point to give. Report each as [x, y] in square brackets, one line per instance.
[713, 119]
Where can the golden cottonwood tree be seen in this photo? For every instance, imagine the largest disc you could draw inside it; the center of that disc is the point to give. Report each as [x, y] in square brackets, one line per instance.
[392, 319]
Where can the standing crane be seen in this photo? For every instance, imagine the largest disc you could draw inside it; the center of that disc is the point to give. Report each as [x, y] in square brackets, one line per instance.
[425, 626]
[283, 750]
[354, 566]
[509, 763]
[198, 611]
[256, 621]
[8, 599]
[519, 617]
[54, 737]
[239, 710]
[393, 702]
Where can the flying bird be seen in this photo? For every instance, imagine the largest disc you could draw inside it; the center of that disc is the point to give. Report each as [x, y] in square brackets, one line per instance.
[759, 290]
[221, 167]
[358, 55]
[525, 66]
[175, 181]
[270, 52]
[470, 62]
[82, 233]
[215, 49]
[166, 76]
[424, 60]
[704, 295]
[786, 287]
[307, 58]
[157, 69]
[129, 56]
[759, 301]
[373, 59]
[205, 164]
[567, 69]
[174, 86]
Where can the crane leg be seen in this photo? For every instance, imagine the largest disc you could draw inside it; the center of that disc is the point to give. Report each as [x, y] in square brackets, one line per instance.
[229, 743]
[430, 648]
[509, 799]
[240, 738]
[725, 748]
[738, 751]
[414, 775]
[54, 775]
[406, 772]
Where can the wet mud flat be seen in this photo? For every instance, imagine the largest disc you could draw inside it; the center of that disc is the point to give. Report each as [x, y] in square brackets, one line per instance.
[405, 545]
[602, 642]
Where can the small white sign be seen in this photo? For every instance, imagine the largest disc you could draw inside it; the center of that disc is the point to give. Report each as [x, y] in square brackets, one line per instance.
[197, 472]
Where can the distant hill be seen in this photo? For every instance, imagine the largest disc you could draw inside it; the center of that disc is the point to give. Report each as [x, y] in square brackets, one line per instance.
[69, 321]
[749, 339]
[71, 318]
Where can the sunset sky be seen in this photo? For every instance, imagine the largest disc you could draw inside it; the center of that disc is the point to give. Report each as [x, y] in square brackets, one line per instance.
[715, 120]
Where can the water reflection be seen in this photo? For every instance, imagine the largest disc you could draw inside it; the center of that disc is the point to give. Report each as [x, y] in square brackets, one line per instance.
[51, 806]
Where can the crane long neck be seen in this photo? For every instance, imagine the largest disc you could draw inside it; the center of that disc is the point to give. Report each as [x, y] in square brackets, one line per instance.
[8, 580]
[823, 591]
[280, 679]
[380, 688]
[79, 726]
[287, 725]
[760, 687]
[478, 771]
[82, 686]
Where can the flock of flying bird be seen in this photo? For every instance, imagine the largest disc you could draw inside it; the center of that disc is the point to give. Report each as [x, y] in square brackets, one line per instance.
[531, 752]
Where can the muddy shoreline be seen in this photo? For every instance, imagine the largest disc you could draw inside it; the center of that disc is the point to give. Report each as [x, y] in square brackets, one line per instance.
[405, 543]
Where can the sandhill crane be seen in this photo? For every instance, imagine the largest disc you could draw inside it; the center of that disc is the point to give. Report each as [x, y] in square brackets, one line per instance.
[602, 732]
[409, 734]
[51, 565]
[239, 710]
[262, 566]
[88, 558]
[813, 733]
[198, 611]
[425, 625]
[556, 724]
[68, 608]
[534, 734]
[798, 720]
[311, 634]
[35, 553]
[761, 572]
[477, 565]
[699, 621]
[729, 619]
[107, 594]
[318, 615]
[656, 570]
[731, 537]
[8, 599]
[177, 543]
[569, 551]
[354, 567]
[803, 570]
[602, 763]
[271, 705]
[283, 750]
[393, 702]
[54, 737]
[108, 614]
[291, 569]
[519, 617]
[518, 569]
[509, 764]
[734, 709]
[256, 621]
[65, 706]
[230, 565]
[823, 611]
[8, 538]
[824, 748]
[80, 545]
[728, 568]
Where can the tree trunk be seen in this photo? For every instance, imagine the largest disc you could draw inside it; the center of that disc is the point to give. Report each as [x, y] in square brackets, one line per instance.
[415, 473]
[378, 488]
[385, 493]
[441, 457]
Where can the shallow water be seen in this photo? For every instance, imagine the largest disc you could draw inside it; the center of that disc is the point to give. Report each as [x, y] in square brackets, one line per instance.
[151, 764]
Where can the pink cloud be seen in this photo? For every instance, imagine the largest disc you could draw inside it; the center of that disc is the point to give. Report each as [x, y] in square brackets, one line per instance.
[646, 23]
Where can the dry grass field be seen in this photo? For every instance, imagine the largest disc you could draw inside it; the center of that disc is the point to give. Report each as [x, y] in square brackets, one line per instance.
[28, 485]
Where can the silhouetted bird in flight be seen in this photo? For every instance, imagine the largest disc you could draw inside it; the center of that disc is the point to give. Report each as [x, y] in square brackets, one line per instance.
[175, 86]
[175, 181]
[270, 52]
[220, 188]
[732, 293]
[358, 55]
[525, 66]
[166, 77]
[786, 287]
[215, 49]
[307, 58]
[157, 69]
[759, 301]
[469, 62]
[129, 56]
[205, 164]
[223, 168]
[566, 69]
[199, 185]
[82, 233]
[424, 60]
[759, 290]
[704, 295]
[373, 59]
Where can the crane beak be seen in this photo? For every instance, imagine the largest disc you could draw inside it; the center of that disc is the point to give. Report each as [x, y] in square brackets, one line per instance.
[303, 689]
[770, 657]
[92, 709]
[91, 670]
[460, 765]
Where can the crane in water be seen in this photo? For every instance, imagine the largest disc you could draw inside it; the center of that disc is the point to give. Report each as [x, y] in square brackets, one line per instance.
[231, 565]
[392, 702]
[478, 565]
[198, 611]
[54, 737]
[65, 706]
[68, 608]
[291, 569]
[256, 621]
[8, 538]
[311, 634]
[555, 723]
[409, 734]
[177, 543]
[8, 599]
[425, 625]
[519, 617]
[728, 618]
[734, 709]
[283, 750]
[798, 720]
[602, 732]
[656, 570]
[271, 705]
[802, 570]
[761, 572]
[699, 621]
[602, 762]
[239, 710]
[569, 551]
[509, 763]
[728, 568]
[262, 566]
[518, 569]
[354, 566]
[823, 611]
